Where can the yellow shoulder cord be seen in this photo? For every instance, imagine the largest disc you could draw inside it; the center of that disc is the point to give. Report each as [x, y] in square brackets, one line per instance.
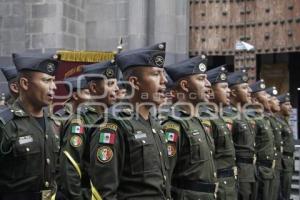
[73, 163]
[95, 194]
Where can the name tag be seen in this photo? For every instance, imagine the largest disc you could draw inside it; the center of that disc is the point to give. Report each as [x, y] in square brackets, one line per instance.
[25, 139]
[196, 133]
[140, 135]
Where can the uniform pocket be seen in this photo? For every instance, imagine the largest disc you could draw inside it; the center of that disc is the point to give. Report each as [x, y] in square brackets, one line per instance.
[27, 152]
[265, 173]
[142, 155]
[199, 150]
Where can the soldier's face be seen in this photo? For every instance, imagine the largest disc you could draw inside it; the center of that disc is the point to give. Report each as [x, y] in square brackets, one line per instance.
[221, 93]
[274, 104]
[242, 92]
[199, 88]
[106, 90]
[263, 98]
[40, 88]
[151, 85]
[83, 96]
[286, 108]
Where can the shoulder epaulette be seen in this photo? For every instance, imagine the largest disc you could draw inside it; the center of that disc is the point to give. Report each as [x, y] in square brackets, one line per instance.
[6, 115]
[61, 112]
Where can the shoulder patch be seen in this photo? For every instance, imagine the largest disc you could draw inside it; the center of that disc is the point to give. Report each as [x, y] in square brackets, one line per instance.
[172, 150]
[104, 154]
[171, 132]
[206, 122]
[6, 115]
[112, 126]
[76, 141]
[108, 133]
[77, 121]
[61, 112]
[207, 126]
[171, 126]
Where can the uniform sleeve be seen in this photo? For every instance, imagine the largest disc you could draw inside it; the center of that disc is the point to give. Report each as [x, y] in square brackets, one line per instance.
[107, 153]
[172, 134]
[70, 158]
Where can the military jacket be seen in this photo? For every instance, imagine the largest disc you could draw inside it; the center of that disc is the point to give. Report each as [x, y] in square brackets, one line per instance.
[75, 146]
[277, 140]
[264, 145]
[28, 154]
[224, 147]
[243, 133]
[288, 144]
[190, 150]
[129, 158]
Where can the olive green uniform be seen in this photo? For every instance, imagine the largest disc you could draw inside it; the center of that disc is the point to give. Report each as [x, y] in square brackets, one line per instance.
[278, 155]
[74, 156]
[129, 158]
[243, 134]
[265, 152]
[287, 158]
[224, 156]
[190, 151]
[28, 155]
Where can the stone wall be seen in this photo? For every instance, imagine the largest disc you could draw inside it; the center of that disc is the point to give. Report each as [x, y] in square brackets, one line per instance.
[46, 25]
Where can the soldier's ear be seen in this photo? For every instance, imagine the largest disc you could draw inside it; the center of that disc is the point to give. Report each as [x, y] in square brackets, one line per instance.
[14, 87]
[24, 83]
[134, 82]
[183, 84]
[92, 87]
[233, 93]
[75, 96]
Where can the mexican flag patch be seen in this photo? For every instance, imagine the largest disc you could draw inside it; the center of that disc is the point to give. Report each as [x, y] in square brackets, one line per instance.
[171, 136]
[107, 138]
[77, 129]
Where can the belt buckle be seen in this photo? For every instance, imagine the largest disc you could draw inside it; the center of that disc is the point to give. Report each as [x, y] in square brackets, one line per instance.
[46, 194]
[273, 164]
[235, 172]
[216, 189]
[254, 159]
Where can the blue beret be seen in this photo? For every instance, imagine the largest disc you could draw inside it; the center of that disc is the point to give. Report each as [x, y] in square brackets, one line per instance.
[10, 73]
[272, 91]
[45, 63]
[107, 69]
[217, 75]
[152, 56]
[284, 98]
[237, 77]
[195, 65]
[258, 86]
[76, 83]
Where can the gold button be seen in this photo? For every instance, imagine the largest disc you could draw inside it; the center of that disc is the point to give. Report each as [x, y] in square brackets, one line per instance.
[143, 141]
[153, 130]
[225, 182]
[48, 161]
[160, 154]
[46, 136]
[27, 149]
[165, 177]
